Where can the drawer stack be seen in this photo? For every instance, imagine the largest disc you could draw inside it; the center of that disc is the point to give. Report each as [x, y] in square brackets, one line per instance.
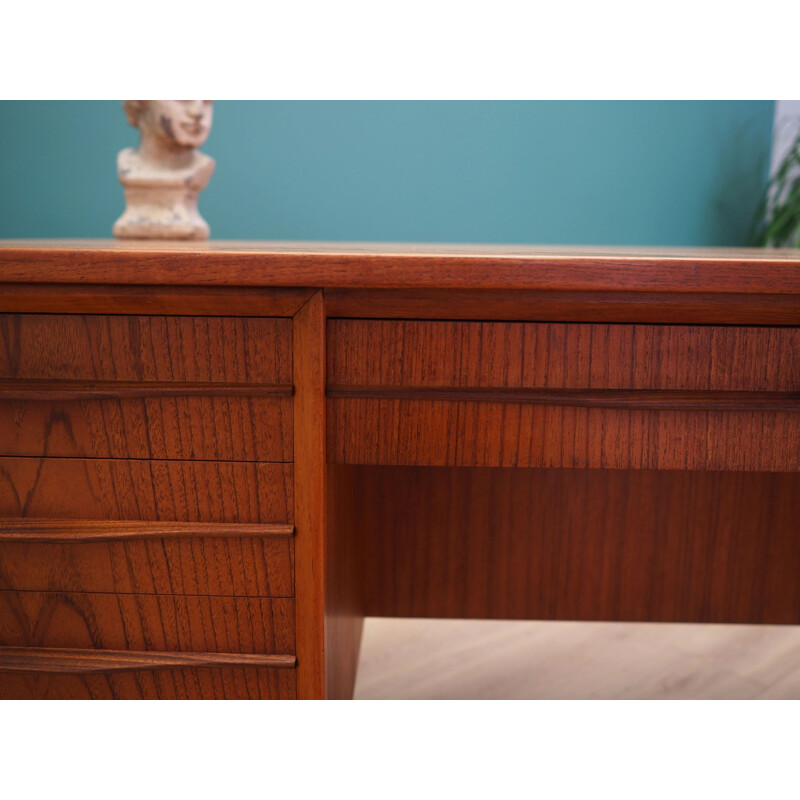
[146, 497]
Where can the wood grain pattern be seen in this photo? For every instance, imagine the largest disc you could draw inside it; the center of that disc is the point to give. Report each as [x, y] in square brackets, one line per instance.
[145, 348]
[329, 606]
[344, 602]
[549, 306]
[219, 301]
[147, 622]
[226, 428]
[72, 531]
[577, 544]
[310, 498]
[586, 398]
[450, 433]
[563, 356]
[241, 567]
[145, 387]
[15, 389]
[184, 491]
[401, 266]
[144, 383]
[226, 683]
[564, 395]
[88, 662]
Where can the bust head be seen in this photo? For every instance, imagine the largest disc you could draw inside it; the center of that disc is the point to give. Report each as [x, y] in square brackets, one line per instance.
[165, 173]
[179, 124]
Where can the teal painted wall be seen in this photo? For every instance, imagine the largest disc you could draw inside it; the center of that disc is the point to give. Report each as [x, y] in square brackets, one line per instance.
[660, 173]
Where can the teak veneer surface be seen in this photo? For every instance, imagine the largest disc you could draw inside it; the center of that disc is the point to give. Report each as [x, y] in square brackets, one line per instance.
[158, 300]
[146, 349]
[329, 613]
[514, 434]
[247, 567]
[116, 674]
[146, 387]
[659, 546]
[190, 491]
[73, 531]
[564, 395]
[225, 683]
[223, 428]
[411, 353]
[704, 308]
[400, 266]
[177, 421]
[309, 498]
[86, 662]
[147, 622]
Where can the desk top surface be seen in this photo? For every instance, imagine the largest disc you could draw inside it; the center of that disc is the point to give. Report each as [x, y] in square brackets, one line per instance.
[400, 266]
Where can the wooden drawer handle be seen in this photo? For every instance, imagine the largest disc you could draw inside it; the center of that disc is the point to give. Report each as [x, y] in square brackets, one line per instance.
[595, 398]
[76, 530]
[88, 662]
[40, 389]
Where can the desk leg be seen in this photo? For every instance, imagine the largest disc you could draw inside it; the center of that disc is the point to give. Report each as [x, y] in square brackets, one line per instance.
[329, 605]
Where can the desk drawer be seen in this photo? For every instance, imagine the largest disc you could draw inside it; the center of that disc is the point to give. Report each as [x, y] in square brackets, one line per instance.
[257, 427]
[564, 395]
[225, 683]
[147, 558]
[185, 491]
[138, 622]
[146, 387]
[151, 349]
[388, 353]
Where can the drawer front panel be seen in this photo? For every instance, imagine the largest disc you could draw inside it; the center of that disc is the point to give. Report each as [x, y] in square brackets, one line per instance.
[146, 387]
[478, 434]
[135, 349]
[227, 428]
[568, 356]
[564, 395]
[147, 622]
[192, 491]
[252, 566]
[224, 683]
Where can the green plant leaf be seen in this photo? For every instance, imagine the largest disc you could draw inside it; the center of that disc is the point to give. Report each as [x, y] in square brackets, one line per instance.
[776, 220]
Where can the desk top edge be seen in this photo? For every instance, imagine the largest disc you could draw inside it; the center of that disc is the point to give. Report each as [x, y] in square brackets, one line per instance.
[535, 252]
[400, 265]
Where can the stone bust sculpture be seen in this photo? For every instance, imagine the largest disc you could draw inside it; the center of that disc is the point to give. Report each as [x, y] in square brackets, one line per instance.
[165, 174]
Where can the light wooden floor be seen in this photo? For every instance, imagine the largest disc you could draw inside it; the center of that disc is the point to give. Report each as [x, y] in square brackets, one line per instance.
[446, 659]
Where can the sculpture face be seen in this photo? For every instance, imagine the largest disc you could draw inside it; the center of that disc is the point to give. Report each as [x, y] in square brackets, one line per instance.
[164, 175]
[181, 123]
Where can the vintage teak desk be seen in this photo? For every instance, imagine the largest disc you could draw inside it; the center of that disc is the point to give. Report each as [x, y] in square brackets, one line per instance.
[216, 459]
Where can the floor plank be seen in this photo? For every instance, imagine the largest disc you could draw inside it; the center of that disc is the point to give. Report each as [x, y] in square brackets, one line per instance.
[487, 659]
